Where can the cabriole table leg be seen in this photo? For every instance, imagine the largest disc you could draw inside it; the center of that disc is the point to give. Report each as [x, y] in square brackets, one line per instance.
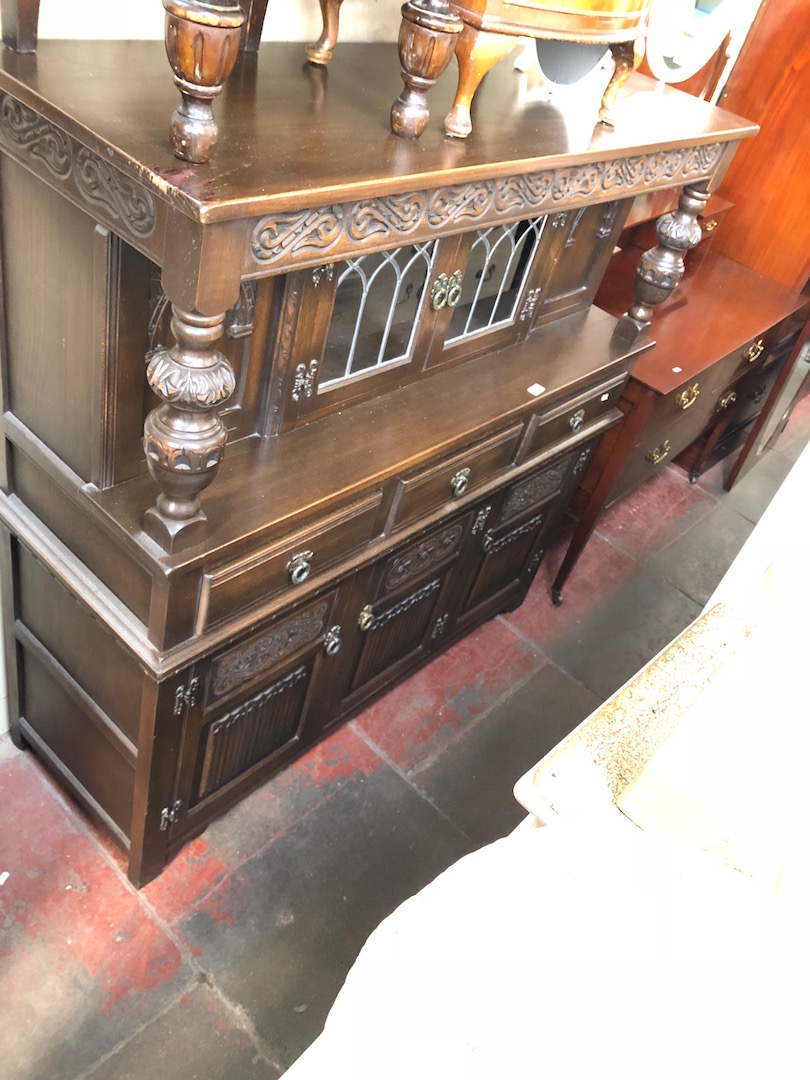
[320, 52]
[427, 40]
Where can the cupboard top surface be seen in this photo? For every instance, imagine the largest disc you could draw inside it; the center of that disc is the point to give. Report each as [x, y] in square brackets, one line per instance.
[296, 136]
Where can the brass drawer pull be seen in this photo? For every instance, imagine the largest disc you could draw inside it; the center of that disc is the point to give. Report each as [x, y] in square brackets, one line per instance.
[658, 453]
[460, 482]
[755, 351]
[331, 642]
[710, 225]
[687, 398]
[446, 292]
[729, 399]
[366, 618]
[577, 421]
[300, 567]
[758, 393]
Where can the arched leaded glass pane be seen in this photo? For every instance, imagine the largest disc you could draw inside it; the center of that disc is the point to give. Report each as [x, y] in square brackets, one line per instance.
[494, 277]
[374, 316]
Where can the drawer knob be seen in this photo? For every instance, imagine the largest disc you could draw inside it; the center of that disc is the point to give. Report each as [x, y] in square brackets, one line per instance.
[710, 225]
[687, 398]
[300, 567]
[729, 399]
[754, 351]
[366, 618]
[658, 453]
[331, 643]
[577, 421]
[460, 482]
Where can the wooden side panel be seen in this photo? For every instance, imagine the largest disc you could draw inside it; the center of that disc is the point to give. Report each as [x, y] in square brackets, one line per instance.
[55, 323]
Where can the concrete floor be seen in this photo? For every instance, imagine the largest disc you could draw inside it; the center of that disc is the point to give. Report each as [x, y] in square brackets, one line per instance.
[226, 966]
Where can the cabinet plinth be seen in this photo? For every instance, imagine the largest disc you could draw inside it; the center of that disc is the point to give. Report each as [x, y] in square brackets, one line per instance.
[279, 429]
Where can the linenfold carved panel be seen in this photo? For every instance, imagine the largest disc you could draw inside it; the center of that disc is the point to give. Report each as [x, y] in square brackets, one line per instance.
[309, 237]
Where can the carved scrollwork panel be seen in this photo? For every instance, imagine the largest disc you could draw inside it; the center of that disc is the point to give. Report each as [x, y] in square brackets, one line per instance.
[423, 556]
[100, 183]
[40, 138]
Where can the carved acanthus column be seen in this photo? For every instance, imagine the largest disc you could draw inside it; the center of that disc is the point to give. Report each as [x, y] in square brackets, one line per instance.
[202, 43]
[661, 268]
[184, 438]
[427, 40]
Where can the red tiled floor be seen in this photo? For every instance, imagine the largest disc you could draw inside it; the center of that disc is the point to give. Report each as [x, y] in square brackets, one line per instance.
[419, 717]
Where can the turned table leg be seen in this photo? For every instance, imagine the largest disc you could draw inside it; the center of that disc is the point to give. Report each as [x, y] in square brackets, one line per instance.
[202, 43]
[477, 52]
[661, 268]
[20, 20]
[320, 52]
[427, 39]
[184, 437]
[627, 55]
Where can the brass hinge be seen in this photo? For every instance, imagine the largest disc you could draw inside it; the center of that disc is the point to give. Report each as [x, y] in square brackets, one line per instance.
[185, 696]
[169, 815]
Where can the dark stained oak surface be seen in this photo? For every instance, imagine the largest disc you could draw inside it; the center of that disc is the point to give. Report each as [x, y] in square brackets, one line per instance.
[295, 136]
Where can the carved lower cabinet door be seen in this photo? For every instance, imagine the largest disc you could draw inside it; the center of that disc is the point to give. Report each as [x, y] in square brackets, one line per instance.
[251, 707]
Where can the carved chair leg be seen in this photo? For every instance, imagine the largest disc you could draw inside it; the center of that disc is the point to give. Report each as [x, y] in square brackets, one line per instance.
[20, 20]
[255, 11]
[661, 268]
[320, 52]
[427, 39]
[184, 437]
[477, 52]
[627, 55]
[202, 49]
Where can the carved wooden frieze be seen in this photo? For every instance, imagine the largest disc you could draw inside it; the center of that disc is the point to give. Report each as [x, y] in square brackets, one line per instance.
[50, 151]
[320, 235]
[261, 653]
[423, 556]
[536, 489]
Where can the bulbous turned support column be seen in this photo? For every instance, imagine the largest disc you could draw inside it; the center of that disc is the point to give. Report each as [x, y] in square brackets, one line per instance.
[427, 40]
[184, 437]
[661, 268]
[202, 43]
[320, 52]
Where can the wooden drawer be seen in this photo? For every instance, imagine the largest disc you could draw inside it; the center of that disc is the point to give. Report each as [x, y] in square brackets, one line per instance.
[453, 478]
[288, 563]
[545, 429]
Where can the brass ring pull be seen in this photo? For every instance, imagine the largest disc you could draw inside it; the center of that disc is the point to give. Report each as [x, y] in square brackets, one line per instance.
[332, 642]
[658, 453]
[438, 293]
[460, 482]
[454, 289]
[754, 351]
[687, 398]
[729, 399]
[300, 567]
[577, 420]
[710, 225]
[366, 618]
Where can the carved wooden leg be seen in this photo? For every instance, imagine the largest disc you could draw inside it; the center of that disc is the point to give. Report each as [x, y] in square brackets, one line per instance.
[255, 11]
[427, 38]
[202, 43]
[20, 20]
[320, 52]
[477, 52]
[661, 268]
[627, 55]
[184, 437]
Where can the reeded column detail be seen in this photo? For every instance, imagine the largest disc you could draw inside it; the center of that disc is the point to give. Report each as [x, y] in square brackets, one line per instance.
[661, 268]
[184, 437]
[202, 43]
[427, 40]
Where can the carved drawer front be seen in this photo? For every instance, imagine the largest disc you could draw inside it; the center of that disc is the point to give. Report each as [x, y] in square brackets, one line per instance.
[422, 558]
[545, 429]
[288, 563]
[453, 478]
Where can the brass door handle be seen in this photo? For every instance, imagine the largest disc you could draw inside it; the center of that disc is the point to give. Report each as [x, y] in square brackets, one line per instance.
[454, 289]
[658, 453]
[446, 291]
[577, 421]
[754, 351]
[332, 642]
[729, 399]
[687, 398]
[300, 567]
[710, 225]
[366, 618]
[460, 482]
